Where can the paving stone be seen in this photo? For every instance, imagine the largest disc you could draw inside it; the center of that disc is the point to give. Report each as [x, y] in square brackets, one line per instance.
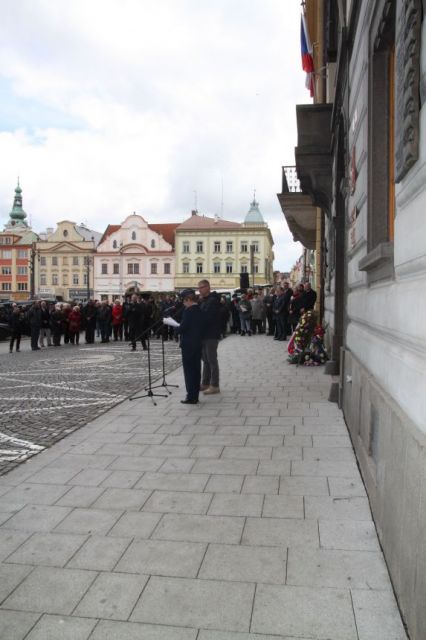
[377, 616]
[37, 518]
[229, 635]
[244, 564]
[48, 549]
[323, 468]
[220, 440]
[274, 467]
[163, 557]
[324, 614]
[128, 499]
[88, 446]
[346, 487]
[177, 465]
[322, 428]
[90, 477]
[122, 479]
[224, 484]
[303, 486]
[207, 452]
[287, 453]
[124, 449]
[78, 496]
[135, 631]
[173, 481]
[148, 438]
[180, 440]
[52, 476]
[276, 532]
[265, 441]
[231, 504]
[178, 502]
[32, 494]
[329, 454]
[275, 430]
[135, 524]
[196, 603]
[260, 484]
[99, 553]
[247, 453]
[337, 569]
[227, 467]
[135, 463]
[332, 508]
[112, 596]
[14, 625]
[348, 535]
[51, 627]
[199, 528]
[89, 521]
[10, 576]
[80, 461]
[10, 541]
[50, 590]
[332, 441]
[283, 507]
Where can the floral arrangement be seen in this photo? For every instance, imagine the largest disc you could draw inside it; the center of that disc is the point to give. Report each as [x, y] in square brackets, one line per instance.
[307, 343]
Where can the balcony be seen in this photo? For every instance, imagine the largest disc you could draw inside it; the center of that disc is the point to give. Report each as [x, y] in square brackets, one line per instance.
[298, 209]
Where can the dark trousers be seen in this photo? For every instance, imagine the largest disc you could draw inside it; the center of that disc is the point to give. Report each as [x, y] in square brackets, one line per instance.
[211, 365]
[117, 330]
[192, 373]
[105, 331]
[137, 334]
[271, 323]
[90, 333]
[257, 326]
[56, 337]
[35, 334]
[74, 337]
[12, 341]
[281, 326]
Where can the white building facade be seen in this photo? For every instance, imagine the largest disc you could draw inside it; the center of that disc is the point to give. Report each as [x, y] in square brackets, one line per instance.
[134, 256]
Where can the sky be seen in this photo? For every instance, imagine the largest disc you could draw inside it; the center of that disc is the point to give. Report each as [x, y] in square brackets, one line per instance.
[109, 107]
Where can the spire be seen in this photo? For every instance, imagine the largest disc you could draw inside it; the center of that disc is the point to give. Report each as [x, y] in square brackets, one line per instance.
[254, 216]
[17, 215]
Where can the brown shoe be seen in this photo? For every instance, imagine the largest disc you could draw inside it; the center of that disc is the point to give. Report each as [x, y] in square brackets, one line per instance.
[211, 390]
[203, 387]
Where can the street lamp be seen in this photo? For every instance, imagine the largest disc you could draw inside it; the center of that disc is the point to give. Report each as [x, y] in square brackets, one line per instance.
[88, 260]
[35, 254]
[252, 250]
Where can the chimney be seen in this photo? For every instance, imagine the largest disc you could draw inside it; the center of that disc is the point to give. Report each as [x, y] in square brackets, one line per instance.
[194, 212]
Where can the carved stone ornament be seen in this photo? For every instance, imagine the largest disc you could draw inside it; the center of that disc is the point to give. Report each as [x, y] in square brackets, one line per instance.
[407, 85]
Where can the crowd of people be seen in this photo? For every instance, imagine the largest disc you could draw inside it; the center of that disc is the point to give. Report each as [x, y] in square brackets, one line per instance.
[274, 312]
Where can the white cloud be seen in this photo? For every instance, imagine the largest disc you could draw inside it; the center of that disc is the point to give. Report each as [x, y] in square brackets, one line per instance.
[161, 98]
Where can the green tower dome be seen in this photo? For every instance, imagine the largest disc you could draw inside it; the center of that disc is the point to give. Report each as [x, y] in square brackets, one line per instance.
[17, 215]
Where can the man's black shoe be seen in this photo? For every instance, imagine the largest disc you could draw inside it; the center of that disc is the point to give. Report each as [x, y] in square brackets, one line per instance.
[189, 401]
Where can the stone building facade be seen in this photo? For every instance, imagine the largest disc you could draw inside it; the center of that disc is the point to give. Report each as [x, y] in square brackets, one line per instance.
[361, 158]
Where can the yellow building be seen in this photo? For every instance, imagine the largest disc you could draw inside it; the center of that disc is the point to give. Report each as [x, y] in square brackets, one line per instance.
[220, 250]
[64, 262]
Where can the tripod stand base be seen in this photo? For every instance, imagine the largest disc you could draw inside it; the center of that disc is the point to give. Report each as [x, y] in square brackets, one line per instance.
[164, 385]
[149, 395]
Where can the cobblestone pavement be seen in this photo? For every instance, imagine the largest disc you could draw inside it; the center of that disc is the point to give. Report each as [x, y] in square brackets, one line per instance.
[47, 394]
[241, 518]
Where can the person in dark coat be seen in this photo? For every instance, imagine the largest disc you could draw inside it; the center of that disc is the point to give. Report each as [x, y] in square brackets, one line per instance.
[104, 318]
[56, 324]
[15, 325]
[90, 313]
[35, 320]
[135, 318]
[192, 331]
[309, 298]
[210, 305]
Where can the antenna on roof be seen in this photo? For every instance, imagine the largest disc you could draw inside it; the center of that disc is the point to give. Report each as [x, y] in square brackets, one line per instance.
[195, 200]
[221, 200]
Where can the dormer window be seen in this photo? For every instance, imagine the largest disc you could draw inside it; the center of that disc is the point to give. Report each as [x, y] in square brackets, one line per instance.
[65, 233]
[133, 235]
[114, 244]
[152, 244]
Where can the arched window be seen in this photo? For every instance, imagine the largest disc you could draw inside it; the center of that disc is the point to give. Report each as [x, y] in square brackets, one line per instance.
[114, 244]
[133, 235]
[152, 243]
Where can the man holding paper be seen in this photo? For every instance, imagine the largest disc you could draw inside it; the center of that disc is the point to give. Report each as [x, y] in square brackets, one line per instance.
[191, 330]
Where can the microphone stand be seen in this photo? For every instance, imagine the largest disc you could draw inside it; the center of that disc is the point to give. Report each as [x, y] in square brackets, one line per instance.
[149, 389]
[164, 383]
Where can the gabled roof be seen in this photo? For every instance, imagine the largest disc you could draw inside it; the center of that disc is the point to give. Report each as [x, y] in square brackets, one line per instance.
[111, 228]
[166, 230]
[203, 222]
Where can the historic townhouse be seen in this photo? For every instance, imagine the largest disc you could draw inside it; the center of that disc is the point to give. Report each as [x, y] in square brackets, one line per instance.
[134, 256]
[63, 261]
[220, 251]
[16, 244]
[361, 159]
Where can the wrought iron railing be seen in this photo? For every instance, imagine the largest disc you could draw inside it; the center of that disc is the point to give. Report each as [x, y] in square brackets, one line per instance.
[291, 182]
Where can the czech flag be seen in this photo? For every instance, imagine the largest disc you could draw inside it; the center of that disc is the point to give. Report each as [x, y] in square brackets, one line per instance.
[307, 58]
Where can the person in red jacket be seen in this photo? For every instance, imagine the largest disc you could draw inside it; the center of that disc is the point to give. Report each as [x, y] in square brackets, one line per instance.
[74, 325]
[117, 320]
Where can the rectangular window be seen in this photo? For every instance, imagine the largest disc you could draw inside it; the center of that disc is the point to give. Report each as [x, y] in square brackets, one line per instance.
[153, 268]
[133, 268]
[6, 271]
[75, 278]
[22, 286]
[229, 267]
[167, 268]
[6, 286]
[7, 240]
[244, 247]
[65, 279]
[256, 268]
[199, 267]
[85, 279]
[255, 244]
[185, 247]
[136, 268]
[43, 261]
[104, 269]
[54, 278]
[6, 255]
[116, 268]
[216, 267]
[229, 247]
[216, 247]
[54, 261]
[43, 280]
[244, 268]
[65, 261]
[199, 245]
[185, 267]
[75, 261]
[22, 253]
[22, 271]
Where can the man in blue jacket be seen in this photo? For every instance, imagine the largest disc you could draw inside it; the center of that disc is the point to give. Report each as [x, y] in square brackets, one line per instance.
[191, 331]
[211, 307]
